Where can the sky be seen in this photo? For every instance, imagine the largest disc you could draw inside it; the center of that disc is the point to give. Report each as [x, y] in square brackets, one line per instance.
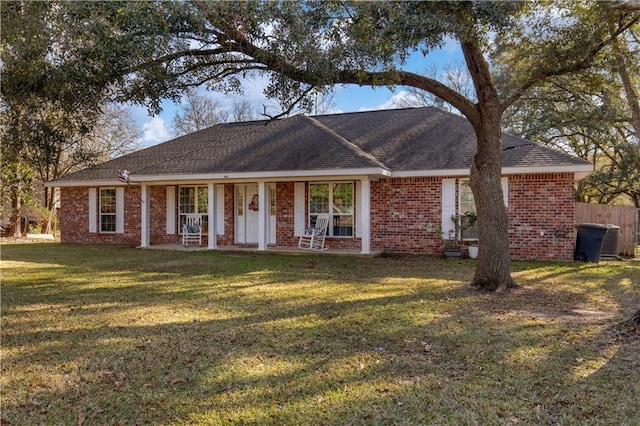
[352, 98]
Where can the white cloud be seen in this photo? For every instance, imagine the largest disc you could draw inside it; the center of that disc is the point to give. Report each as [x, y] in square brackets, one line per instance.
[154, 131]
[399, 100]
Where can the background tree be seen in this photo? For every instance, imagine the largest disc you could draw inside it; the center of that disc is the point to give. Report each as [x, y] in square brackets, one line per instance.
[197, 112]
[54, 93]
[242, 110]
[591, 114]
[454, 75]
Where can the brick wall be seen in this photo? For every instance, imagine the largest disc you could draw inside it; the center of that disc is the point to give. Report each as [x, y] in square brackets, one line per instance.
[405, 217]
[541, 216]
[74, 218]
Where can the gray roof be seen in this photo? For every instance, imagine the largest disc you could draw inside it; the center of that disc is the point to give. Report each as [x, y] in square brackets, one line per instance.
[399, 140]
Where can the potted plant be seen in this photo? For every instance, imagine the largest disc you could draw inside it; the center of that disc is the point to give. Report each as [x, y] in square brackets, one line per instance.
[453, 244]
[469, 218]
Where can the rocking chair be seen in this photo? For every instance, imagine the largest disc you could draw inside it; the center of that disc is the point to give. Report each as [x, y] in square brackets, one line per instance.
[192, 230]
[313, 237]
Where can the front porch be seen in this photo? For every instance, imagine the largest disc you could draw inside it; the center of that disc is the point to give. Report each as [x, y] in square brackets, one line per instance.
[258, 215]
[249, 249]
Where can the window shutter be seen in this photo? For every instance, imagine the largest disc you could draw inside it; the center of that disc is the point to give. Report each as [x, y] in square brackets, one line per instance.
[119, 210]
[171, 209]
[448, 205]
[359, 208]
[505, 190]
[220, 209]
[93, 210]
[299, 210]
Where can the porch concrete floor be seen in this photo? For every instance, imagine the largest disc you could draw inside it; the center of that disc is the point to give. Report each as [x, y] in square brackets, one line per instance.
[282, 250]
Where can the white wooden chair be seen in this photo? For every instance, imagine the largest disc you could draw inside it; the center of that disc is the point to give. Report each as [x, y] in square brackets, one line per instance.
[313, 237]
[192, 230]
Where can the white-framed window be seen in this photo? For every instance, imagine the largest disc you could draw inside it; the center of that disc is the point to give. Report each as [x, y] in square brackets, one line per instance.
[337, 199]
[107, 208]
[466, 203]
[193, 199]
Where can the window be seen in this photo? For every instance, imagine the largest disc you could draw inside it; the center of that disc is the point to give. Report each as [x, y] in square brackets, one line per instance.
[272, 200]
[107, 210]
[194, 199]
[467, 204]
[335, 199]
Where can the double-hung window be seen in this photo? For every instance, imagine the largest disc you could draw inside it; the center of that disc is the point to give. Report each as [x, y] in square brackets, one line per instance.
[194, 200]
[335, 199]
[107, 209]
[467, 204]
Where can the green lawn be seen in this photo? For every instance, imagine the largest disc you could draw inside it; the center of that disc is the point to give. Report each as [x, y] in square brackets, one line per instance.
[117, 335]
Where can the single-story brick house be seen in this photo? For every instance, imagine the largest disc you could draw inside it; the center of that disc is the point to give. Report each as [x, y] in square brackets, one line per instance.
[389, 179]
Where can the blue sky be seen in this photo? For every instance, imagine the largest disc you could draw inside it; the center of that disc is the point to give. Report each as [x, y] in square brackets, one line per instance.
[157, 129]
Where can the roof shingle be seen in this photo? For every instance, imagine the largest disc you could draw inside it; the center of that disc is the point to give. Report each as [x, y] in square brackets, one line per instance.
[415, 139]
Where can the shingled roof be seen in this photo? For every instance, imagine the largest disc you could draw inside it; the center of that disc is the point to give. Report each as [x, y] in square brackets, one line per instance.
[426, 139]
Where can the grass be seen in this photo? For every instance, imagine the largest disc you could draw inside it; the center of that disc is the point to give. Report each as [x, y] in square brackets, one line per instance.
[116, 335]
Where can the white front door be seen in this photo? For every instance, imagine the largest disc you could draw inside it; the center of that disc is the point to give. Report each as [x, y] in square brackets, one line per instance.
[247, 208]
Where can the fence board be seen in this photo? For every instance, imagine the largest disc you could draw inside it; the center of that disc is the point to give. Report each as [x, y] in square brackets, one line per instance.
[624, 217]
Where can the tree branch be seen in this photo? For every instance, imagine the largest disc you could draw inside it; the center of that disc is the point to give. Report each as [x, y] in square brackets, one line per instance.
[290, 108]
[546, 72]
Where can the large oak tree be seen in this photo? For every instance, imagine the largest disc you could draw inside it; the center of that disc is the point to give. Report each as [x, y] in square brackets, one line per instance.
[157, 50]
[307, 45]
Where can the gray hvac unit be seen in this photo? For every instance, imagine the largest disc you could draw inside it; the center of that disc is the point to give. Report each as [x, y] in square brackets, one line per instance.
[611, 243]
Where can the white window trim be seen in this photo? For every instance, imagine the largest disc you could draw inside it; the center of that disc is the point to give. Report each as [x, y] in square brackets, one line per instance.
[331, 214]
[93, 210]
[298, 209]
[460, 210]
[114, 214]
[504, 182]
[202, 215]
[220, 209]
[171, 210]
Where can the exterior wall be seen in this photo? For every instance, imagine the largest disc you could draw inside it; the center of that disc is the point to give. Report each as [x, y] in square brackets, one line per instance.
[406, 217]
[285, 215]
[74, 218]
[541, 204]
[158, 220]
[229, 213]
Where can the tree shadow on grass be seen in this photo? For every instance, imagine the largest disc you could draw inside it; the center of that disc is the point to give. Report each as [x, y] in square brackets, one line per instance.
[225, 343]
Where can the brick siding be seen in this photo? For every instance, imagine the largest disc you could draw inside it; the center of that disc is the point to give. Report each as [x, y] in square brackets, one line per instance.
[405, 217]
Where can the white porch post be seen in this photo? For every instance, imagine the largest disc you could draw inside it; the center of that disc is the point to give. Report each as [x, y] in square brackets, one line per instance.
[365, 215]
[263, 215]
[145, 199]
[212, 213]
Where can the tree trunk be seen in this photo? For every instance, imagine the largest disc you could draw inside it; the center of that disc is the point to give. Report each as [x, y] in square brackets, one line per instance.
[493, 272]
[16, 211]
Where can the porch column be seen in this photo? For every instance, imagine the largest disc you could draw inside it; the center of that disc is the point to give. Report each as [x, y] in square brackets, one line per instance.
[213, 226]
[263, 215]
[365, 215]
[145, 221]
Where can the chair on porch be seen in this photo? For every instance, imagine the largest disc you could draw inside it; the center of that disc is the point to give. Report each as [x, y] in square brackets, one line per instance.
[192, 230]
[313, 237]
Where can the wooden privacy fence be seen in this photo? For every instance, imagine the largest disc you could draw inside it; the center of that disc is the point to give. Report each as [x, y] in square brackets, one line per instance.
[624, 217]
